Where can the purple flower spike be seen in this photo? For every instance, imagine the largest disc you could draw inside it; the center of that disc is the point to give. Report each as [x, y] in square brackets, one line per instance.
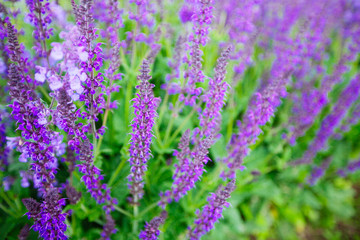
[201, 19]
[145, 105]
[73, 195]
[212, 212]
[109, 228]
[329, 124]
[318, 171]
[40, 17]
[24, 232]
[260, 111]
[214, 98]
[48, 216]
[4, 149]
[189, 169]
[151, 231]
[186, 13]
[352, 167]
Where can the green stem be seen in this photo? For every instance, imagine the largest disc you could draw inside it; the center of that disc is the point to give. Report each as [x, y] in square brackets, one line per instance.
[168, 130]
[117, 171]
[7, 200]
[157, 135]
[45, 93]
[136, 212]
[163, 108]
[8, 211]
[180, 128]
[148, 209]
[123, 211]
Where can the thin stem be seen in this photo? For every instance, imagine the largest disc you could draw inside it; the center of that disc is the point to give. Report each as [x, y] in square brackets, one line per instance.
[168, 130]
[5, 197]
[148, 209]
[163, 108]
[117, 171]
[123, 211]
[6, 210]
[180, 128]
[45, 93]
[136, 212]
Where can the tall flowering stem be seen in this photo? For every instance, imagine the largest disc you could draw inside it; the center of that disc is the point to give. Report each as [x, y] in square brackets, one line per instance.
[259, 113]
[48, 216]
[145, 105]
[4, 150]
[78, 141]
[40, 16]
[312, 100]
[201, 20]
[214, 98]
[211, 212]
[352, 119]
[191, 163]
[39, 141]
[94, 101]
[151, 231]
